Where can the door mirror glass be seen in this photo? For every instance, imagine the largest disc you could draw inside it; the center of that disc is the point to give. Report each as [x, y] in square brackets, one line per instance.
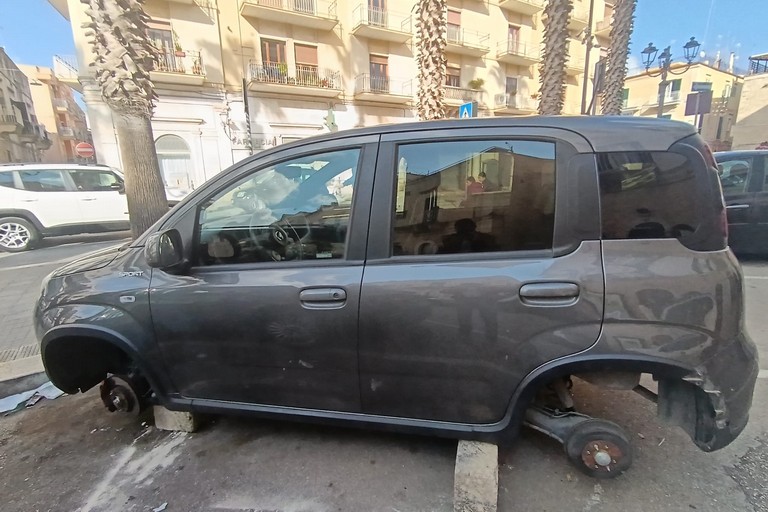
[118, 186]
[164, 250]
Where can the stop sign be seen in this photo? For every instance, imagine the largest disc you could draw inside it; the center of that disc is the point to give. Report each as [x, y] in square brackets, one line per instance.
[84, 150]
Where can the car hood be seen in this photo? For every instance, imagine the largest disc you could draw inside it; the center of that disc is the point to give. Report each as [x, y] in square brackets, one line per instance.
[91, 261]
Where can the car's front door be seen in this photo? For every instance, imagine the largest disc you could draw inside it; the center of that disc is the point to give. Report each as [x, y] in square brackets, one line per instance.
[738, 182]
[466, 287]
[101, 195]
[268, 314]
[759, 210]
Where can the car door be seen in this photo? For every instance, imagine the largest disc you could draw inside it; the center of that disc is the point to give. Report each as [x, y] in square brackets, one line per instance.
[466, 291]
[268, 313]
[100, 194]
[738, 181]
[759, 211]
[49, 196]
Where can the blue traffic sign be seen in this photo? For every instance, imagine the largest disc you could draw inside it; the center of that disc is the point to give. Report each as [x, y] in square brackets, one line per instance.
[467, 110]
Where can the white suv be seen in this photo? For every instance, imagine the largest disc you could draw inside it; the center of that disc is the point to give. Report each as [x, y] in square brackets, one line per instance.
[39, 200]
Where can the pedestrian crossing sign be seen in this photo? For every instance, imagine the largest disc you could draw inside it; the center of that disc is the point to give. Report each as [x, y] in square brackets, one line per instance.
[467, 110]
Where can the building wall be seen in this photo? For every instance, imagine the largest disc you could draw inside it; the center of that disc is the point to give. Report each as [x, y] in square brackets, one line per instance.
[716, 126]
[751, 128]
[21, 137]
[210, 116]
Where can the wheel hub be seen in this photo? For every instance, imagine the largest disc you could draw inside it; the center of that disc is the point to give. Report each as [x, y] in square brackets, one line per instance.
[13, 235]
[601, 455]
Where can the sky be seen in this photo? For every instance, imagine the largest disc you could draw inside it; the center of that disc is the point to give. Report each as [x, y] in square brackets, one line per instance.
[32, 31]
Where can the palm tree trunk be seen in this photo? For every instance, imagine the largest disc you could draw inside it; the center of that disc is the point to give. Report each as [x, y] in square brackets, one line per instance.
[552, 71]
[143, 184]
[616, 67]
[431, 27]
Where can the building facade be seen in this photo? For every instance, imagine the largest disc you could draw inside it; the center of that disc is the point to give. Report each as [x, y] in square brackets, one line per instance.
[641, 98]
[22, 137]
[58, 111]
[751, 128]
[307, 66]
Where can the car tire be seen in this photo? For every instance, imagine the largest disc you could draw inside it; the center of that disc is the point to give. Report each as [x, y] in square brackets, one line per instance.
[17, 235]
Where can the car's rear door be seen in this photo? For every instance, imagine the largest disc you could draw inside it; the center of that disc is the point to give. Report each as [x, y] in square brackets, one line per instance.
[49, 196]
[465, 293]
[738, 180]
[758, 213]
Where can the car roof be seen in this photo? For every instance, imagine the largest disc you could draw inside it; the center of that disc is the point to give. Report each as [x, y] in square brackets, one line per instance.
[604, 133]
[52, 167]
[740, 153]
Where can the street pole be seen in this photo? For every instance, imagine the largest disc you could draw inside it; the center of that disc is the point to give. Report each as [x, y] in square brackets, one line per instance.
[664, 63]
[588, 35]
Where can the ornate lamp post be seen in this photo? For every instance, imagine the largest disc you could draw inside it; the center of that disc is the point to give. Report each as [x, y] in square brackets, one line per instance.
[691, 49]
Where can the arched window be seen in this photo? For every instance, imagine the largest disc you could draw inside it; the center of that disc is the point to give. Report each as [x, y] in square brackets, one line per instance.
[175, 162]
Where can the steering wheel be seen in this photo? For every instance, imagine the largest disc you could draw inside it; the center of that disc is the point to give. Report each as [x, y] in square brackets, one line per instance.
[281, 231]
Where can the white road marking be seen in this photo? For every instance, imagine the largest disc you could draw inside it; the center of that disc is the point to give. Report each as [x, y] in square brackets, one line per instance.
[33, 265]
[755, 277]
[762, 374]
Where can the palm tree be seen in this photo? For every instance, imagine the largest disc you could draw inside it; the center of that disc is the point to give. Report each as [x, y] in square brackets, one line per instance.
[431, 28]
[117, 33]
[552, 71]
[616, 67]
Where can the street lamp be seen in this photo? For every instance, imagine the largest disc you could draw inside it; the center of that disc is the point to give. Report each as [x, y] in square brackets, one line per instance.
[690, 50]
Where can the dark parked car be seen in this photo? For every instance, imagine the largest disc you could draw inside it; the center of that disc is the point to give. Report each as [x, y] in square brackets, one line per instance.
[743, 176]
[353, 278]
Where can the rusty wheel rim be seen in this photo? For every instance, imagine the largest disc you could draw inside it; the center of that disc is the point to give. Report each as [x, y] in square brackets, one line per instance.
[601, 455]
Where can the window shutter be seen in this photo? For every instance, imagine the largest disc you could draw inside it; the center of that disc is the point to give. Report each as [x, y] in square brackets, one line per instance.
[306, 54]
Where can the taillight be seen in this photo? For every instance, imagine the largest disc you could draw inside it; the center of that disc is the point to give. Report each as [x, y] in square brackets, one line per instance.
[724, 224]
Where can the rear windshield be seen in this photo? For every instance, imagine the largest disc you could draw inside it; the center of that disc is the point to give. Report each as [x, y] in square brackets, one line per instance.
[660, 194]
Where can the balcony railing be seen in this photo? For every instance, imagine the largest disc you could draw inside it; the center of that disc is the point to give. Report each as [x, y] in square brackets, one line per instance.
[66, 132]
[463, 37]
[523, 6]
[61, 104]
[515, 102]
[382, 18]
[319, 8]
[184, 62]
[669, 97]
[7, 119]
[519, 49]
[461, 94]
[301, 75]
[377, 84]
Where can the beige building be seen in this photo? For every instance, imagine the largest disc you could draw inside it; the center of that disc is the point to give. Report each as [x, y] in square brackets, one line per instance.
[58, 111]
[641, 99]
[308, 66]
[751, 129]
[22, 137]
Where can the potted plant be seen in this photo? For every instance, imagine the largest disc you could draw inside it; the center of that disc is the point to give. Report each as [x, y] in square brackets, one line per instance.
[476, 84]
[197, 67]
[179, 52]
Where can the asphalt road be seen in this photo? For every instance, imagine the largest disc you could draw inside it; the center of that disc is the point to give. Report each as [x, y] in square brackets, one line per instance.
[69, 454]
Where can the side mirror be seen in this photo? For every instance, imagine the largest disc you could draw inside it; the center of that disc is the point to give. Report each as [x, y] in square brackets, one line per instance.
[120, 187]
[164, 250]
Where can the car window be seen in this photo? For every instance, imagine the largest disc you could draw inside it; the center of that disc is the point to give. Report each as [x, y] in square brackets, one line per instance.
[474, 196]
[295, 210]
[647, 195]
[43, 181]
[734, 175]
[6, 179]
[89, 181]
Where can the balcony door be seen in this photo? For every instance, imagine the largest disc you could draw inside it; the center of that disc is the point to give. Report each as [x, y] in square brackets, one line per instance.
[274, 67]
[161, 35]
[377, 12]
[306, 65]
[379, 67]
[513, 39]
[454, 26]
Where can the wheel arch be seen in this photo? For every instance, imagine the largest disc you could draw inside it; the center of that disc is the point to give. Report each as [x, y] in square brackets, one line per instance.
[23, 214]
[77, 358]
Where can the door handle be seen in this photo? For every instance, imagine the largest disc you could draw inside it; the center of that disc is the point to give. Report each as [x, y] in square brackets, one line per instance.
[549, 294]
[323, 298]
[28, 200]
[88, 199]
[737, 207]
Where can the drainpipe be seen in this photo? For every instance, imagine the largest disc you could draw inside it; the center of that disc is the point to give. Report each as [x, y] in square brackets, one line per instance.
[588, 35]
[247, 117]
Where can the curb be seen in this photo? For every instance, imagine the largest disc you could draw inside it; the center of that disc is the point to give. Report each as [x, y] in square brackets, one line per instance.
[21, 375]
[476, 477]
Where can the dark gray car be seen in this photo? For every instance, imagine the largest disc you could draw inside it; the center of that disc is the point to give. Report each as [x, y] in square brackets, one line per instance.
[444, 277]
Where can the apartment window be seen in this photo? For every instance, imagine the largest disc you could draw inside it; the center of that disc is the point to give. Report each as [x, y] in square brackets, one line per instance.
[453, 76]
[377, 12]
[675, 87]
[379, 67]
[454, 26]
[474, 196]
[273, 52]
[719, 128]
[161, 35]
[624, 97]
[306, 64]
[513, 39]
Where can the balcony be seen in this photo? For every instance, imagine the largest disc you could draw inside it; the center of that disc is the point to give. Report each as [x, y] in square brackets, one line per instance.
[60, 105]
[301, 79]
[670, 98]
[579, 19]
[8, 123]
[574, 66]
[381, 25]
[383, 89]
[603, 28]
[66, 132]
[65, 69]
[183, 67]
[518, 53]
[514, 104]
[467, 42]
[529, 7]
[458, 95]
[317, 14]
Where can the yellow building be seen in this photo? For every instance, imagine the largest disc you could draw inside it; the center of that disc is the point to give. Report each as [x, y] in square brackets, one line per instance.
[58, 111]
[751, 129]
[641, 98]
[308, 66]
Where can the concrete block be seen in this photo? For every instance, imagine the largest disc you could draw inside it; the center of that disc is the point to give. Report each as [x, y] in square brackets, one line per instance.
[175, 420]
[476, 477]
